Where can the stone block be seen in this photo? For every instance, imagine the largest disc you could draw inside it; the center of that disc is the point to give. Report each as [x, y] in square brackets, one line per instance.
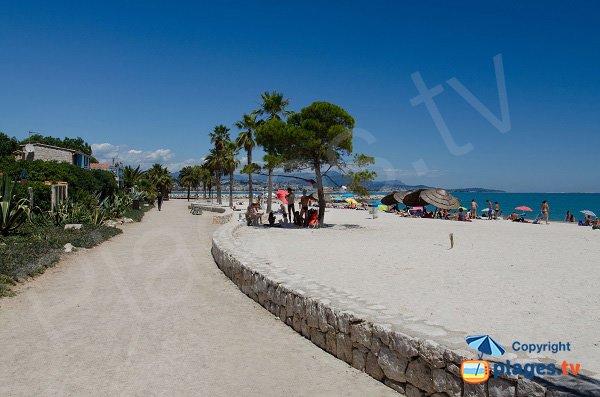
[375, 344]
[344, 347]
[372, 367]
[73, 226]
[527, 388]
[501, 388]
[382, 332]
[359, 359]
[322, 317]
[418, 373]
[331, 342]
[318, 338]
[312, 317]
[343, 322]
[393, 366]
[361, 334]
[297, 323]
[404, 345]
[444, 381]
[479, 390]
[412, 391]
[397, 386]
[433, 353]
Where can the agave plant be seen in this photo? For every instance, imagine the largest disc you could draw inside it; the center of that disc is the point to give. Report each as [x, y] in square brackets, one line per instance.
[13, 212]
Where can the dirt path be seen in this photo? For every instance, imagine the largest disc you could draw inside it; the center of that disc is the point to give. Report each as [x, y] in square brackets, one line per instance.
[149, 313]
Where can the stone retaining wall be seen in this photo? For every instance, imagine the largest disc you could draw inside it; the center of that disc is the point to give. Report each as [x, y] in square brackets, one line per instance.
[413, 366]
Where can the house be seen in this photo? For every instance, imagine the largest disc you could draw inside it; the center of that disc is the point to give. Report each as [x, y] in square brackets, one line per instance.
[116, 169]
[40, 151]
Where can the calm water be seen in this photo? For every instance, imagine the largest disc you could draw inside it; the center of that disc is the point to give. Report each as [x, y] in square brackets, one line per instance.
[559, 203]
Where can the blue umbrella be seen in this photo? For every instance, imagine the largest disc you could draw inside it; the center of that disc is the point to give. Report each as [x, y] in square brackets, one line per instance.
[345, 195]
[485, 345]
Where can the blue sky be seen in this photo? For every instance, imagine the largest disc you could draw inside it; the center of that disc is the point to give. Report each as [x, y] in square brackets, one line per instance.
[146, 81]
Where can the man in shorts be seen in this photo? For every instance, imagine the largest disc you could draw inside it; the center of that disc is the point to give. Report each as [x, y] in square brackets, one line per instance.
[474, 207]
[304, 203]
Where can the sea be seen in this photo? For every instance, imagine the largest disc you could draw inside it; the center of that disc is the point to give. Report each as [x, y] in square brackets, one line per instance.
[559, 203]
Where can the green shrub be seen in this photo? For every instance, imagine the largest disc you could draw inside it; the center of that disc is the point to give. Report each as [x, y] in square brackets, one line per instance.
[13, 211]
[38, 247]
[79, 179]
[41, 193]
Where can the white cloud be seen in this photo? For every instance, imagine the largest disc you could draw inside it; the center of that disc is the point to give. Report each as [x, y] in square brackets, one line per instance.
[106, 152]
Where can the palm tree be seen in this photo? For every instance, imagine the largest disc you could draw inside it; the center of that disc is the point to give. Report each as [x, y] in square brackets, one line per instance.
[218, 137]
[215, 162]
[131, 176]
[273, 106]
[160, 178]
[246, 140]
[206, 179]
[230, 163]
[186, 179]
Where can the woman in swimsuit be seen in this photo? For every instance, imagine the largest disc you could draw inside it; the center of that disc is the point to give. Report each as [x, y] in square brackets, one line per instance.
[545, 210]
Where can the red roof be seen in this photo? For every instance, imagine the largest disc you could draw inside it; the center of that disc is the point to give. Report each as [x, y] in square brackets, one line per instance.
[100, 166]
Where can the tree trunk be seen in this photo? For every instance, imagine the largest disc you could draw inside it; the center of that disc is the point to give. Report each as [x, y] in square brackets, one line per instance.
[270, 192]
[250, 177]
[231, 190]
[219, 190]
[320, 192]
[189, 188]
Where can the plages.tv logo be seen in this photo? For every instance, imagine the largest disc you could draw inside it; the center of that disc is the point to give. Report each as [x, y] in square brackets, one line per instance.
[479, 371]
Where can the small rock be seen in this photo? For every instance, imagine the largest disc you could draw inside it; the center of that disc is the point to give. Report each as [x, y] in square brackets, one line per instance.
[127, 220]
[69, 247]
[73, 226]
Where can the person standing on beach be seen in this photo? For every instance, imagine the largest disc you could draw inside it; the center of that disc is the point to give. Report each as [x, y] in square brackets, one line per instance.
[159, 200]
[474, 207]
[545, 211]
[304, 203]
[291, 208]
[260, 200]
[496, 210]
[490, 209]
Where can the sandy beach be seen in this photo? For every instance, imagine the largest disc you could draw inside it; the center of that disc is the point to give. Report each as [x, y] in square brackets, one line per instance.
[516, 282]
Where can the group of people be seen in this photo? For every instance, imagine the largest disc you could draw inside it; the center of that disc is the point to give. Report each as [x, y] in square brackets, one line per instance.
[303, 217]
[494, 213]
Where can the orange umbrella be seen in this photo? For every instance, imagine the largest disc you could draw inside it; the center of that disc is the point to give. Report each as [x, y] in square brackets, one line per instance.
[281, 194]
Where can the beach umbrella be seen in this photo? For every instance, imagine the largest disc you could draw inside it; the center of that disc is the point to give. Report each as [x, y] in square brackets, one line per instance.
[350, 200]
[413, 199]
[281, 196]
[485, 345]
[393, 198]
[523, 208]
[588, 212]
[346, 195]
[440, 198]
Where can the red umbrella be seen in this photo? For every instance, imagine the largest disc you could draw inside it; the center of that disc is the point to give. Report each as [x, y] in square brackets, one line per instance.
[281, 196]
[524, 208]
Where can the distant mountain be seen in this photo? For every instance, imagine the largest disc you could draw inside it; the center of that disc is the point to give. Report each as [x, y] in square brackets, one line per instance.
[335, 180]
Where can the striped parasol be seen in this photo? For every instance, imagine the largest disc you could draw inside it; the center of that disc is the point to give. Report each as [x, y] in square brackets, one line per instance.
[440, 198]
[393, 198]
